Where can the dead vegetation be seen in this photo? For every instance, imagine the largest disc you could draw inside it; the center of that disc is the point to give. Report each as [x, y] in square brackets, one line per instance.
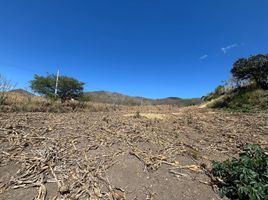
[5, 86]
[16, 102]
[115, 155]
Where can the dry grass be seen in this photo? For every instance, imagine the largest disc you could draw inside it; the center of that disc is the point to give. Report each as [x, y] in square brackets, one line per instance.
[148, 115]
[27, 103]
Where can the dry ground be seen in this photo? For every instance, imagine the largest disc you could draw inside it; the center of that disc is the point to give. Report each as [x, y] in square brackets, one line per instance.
[161, 153]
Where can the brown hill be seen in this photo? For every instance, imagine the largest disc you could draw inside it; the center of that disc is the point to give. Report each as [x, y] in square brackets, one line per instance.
[117, 98]
[22, 92]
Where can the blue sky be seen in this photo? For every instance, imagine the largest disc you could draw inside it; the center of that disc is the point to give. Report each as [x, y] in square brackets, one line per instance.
[145, 48]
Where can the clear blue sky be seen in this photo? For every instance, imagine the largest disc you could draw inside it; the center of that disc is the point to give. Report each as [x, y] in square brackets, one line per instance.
[147, 48]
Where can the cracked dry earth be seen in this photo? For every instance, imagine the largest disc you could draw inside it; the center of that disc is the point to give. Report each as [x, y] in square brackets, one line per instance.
[162, 153]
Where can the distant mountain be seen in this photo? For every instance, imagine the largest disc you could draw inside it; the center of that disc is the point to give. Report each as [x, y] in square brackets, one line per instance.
[121, 99]
[22, 92]
[116, 98]
[177, 101]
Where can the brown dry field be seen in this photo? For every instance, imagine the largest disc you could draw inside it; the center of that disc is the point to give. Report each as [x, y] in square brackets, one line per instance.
[164, 153]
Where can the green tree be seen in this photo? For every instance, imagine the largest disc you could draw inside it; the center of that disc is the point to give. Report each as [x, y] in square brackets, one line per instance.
[68, 87]
[253, 69]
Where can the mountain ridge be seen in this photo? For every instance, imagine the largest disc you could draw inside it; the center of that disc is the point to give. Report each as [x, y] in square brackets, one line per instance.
[122, 99]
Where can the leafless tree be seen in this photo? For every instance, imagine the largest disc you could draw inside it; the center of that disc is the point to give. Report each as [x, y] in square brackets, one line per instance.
[5, 86]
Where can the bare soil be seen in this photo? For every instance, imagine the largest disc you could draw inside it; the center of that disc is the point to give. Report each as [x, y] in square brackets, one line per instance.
[159, 153]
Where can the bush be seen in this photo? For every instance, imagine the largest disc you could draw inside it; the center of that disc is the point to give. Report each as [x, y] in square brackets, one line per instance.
[245, 178]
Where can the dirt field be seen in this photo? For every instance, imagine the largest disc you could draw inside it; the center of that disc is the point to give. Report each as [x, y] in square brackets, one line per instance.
[160, 153]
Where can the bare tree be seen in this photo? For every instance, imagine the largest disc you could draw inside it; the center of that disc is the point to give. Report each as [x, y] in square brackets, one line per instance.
[5, 86]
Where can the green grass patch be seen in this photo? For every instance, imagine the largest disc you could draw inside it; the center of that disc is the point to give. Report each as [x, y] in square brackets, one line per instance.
[244, 100]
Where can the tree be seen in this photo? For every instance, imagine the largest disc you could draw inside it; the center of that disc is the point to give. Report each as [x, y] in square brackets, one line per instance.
[254, 68]
[68, 87]
[5, 86]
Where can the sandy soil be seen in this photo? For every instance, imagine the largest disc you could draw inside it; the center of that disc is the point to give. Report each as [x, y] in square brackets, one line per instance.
[159, 154]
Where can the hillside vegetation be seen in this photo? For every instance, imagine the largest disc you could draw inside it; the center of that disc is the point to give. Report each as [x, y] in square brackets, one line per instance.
[242, 99]
[248, 88]
[19, 100]
[63, 94]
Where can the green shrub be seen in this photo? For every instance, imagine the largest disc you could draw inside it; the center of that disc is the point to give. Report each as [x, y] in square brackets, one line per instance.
[244, 100]
[245, 178]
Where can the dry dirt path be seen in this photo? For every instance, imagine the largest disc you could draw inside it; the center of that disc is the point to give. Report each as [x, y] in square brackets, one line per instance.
[120, 155]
